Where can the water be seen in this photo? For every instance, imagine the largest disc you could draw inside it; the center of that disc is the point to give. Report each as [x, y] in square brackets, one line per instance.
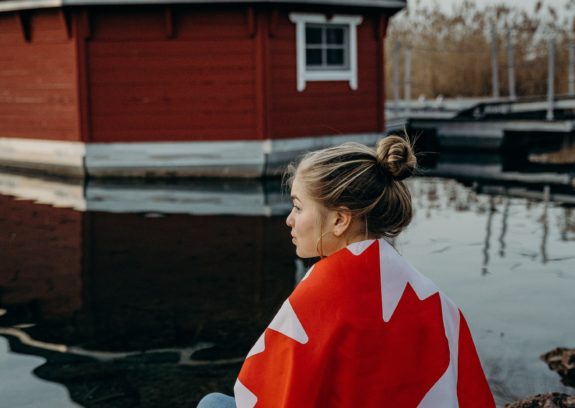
[509, 263]
[131, 295]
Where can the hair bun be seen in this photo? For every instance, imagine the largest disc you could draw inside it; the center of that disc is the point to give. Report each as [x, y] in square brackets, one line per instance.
[395, 154]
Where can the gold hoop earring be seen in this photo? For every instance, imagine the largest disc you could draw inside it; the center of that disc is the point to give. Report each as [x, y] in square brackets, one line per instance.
[320, 243]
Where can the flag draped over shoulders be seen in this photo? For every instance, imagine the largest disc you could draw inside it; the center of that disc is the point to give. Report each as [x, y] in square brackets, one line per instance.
[364, 329]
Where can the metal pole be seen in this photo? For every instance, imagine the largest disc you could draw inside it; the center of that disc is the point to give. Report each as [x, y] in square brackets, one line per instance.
[495, 75]
[550, 79]
[510, 66]
[571, 69]
[396, 79]
[407, 81]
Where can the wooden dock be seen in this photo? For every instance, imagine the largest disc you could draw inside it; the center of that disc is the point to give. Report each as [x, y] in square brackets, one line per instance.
[487, 124]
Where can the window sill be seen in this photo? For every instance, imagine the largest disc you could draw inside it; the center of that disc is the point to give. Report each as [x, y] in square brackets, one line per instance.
[326, 75]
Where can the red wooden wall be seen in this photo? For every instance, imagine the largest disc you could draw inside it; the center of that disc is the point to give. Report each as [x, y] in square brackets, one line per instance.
[322, 108]
[219, 73]
[185, 76]
[176, 73]
[38, 91]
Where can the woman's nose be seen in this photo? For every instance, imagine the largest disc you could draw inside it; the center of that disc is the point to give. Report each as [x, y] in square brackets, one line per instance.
[289, 220]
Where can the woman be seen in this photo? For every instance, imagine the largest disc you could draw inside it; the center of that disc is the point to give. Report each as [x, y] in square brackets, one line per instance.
[363, 328]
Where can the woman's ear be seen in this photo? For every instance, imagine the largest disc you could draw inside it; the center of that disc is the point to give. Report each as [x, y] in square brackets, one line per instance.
[341, 221]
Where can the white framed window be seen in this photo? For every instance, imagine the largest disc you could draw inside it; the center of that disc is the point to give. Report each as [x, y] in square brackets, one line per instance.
[326, 48]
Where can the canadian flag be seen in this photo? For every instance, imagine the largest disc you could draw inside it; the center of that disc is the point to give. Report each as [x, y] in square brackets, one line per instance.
[364, 329]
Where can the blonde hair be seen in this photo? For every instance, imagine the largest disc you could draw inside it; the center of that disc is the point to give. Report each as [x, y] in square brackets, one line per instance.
[367, 181]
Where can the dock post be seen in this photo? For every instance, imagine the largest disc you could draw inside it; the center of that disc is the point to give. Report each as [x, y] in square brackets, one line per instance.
[495, 75]
[407, 81]
[550, 79]
[510, 65]
[572, 69]
[396, 79]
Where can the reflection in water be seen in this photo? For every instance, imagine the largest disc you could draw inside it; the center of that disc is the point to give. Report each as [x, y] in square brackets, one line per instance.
[300, 270]
[565, 155]
[504, 227]
[184, 356]
[490, 213]
[522, 305]
[497, 168]
[19, 389]
[545, 223]
[100, 289]
[151, 295]
[568, 224]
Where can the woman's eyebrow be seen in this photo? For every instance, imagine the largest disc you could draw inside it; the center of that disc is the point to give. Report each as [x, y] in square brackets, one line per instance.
[294, 197]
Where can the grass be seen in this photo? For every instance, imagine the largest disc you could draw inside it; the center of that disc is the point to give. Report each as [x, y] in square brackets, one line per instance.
[451, 51]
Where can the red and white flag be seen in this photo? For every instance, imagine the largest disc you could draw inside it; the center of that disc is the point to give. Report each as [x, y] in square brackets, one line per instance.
[364, 329]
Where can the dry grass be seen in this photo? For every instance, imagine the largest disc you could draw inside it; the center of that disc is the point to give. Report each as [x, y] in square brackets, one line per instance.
[565, 155]
[451, 52]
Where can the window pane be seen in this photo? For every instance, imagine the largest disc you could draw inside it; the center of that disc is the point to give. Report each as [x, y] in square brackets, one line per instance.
[334, 35]
[335, 57]
[313, 35]
[313, 57]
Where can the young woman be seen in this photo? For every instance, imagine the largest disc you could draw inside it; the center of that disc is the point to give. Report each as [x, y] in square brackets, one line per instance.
[363, 328]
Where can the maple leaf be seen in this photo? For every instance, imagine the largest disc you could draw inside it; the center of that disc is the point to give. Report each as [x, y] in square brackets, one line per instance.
[329, 345]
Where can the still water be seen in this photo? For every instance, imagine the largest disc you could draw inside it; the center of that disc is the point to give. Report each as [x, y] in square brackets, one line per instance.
[150, 295]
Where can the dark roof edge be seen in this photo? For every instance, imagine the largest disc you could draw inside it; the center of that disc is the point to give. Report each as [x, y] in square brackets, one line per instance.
[12, 5]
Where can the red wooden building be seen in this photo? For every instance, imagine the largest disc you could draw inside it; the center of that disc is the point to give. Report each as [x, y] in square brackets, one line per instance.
[187, 87]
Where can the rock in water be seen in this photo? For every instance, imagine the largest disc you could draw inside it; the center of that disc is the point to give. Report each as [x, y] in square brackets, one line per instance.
[550, 400]
[562, 360]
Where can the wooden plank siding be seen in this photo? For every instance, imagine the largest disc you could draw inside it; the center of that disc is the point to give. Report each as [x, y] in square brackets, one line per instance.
[380, 33]
[193, 80]
[323, 108]
[38, 90]
[177, 73]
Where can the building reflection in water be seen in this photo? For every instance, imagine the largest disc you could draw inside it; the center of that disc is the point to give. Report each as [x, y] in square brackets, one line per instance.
[152, 294]
[165, 286]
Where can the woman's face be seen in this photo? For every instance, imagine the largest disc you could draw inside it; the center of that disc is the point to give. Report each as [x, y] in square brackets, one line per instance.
[304, 221]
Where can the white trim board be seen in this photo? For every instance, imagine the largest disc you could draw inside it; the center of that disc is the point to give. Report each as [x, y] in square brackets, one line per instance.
[233, 158]
[284, 150]
[246, 159]
[46, 152]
